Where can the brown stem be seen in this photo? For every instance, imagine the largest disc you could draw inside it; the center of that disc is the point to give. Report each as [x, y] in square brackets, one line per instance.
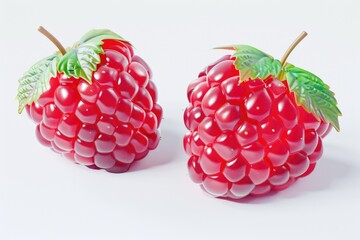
[292, 46]
[52, 39]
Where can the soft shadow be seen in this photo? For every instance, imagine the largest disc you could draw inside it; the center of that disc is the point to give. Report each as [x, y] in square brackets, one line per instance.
[327, 174]
[253, 199]
[169, 148]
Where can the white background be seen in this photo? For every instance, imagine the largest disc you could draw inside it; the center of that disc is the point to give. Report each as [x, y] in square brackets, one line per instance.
[43, 196]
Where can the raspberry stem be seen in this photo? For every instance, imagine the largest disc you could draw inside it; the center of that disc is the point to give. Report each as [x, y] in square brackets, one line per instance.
[52, 39]
[292, 46]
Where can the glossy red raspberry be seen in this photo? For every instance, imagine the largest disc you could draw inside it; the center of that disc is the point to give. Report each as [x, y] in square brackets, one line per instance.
[106, 124]
[247, 138]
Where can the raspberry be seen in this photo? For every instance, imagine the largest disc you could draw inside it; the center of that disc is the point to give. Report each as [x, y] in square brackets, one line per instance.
[106, 123]
[248, 138]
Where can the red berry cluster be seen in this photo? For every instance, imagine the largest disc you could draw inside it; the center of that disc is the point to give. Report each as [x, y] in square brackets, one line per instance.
[107, 124]
[247, 138]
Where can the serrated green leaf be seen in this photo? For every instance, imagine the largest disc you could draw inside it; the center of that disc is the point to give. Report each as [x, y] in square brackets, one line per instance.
[253, 63]
[36, 80]
[313, 94]
[97, 35]
[265, 67]
[82, 60]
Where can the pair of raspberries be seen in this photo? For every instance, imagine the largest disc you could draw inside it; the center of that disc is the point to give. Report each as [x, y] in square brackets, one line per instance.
[255, 123]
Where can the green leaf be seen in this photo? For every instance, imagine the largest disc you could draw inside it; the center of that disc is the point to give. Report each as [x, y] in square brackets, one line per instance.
[313, 94]
[82, 60]
[36, 80]
[253, 63]
[97, 35]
